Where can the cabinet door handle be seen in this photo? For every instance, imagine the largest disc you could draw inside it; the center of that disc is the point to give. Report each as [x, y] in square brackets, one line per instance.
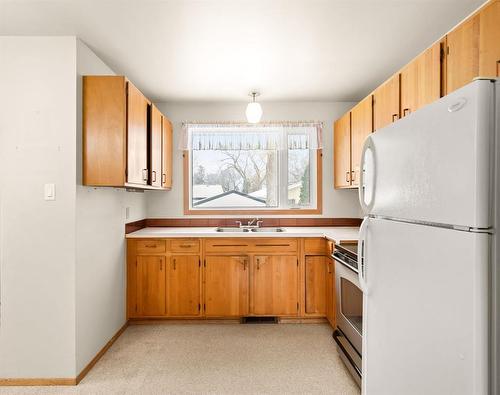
[175, 262]
[258, 264]
[145, 174]
[154, 175]
[164, 178]
[395, 117]
[406, 111]
[347, 176]
[244, 263]
[161, 264]
[353, 177]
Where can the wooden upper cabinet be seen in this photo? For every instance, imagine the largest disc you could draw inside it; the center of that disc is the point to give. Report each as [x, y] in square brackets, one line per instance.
[137, 136]
[315, 272]
[421, 80]
[275, 285]
[386, 103]
[104, 130]
[226, 286]
[151, 285]
[342, 152]
[183, 286]
[489, 40]
[361, 127]
[167, 152]
[462, 54]
[155, 147]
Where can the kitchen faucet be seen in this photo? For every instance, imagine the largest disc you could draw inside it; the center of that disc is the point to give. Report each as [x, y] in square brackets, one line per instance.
[250, 223]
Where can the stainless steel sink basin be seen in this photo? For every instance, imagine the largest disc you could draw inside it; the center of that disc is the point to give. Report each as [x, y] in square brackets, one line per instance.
[268, 230]
[231, 230]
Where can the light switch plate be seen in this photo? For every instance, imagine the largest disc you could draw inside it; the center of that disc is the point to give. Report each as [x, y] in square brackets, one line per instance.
[49, 192]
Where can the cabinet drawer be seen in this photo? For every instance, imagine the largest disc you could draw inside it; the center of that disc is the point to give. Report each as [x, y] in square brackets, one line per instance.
[150, 246]
[315, 246]
[274, 245]
[185, 245]
[239, 245]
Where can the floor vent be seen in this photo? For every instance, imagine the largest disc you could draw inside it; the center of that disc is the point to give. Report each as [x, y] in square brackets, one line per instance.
[259, 320]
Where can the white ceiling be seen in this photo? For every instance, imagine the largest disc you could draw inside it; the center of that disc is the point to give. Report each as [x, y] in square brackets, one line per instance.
[219, 50]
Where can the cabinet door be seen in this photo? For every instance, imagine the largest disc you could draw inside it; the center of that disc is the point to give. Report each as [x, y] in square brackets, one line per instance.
[489, 40]
[183, 285]
[137, 136]
[462, 58]
[386, 103]
[330, 291]
[275, 285]
[361, 127]
[166, 177]
[342, 152]
[315, 272]
[151, 282]
[226, 286]
[421, 80]
[155, 147]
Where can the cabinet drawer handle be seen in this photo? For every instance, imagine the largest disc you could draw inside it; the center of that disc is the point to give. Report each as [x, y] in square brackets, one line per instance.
[150, 245]
[229, 245]
[272, 245]
[186, 245]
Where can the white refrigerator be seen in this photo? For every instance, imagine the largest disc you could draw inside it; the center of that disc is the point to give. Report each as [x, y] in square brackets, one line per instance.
[428, 262]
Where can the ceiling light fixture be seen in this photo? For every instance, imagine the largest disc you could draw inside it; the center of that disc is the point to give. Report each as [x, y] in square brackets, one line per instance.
[254, 110]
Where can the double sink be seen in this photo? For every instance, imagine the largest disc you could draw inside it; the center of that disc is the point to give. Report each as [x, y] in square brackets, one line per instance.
[242, 230]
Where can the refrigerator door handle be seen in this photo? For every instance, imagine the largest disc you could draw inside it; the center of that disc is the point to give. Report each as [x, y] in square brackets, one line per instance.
[367, 176]
[362, 254]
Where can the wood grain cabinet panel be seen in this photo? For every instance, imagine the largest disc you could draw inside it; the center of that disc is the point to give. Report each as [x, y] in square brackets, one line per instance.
[315, 246]
[386, 103]
[361, 127]
[137, 136]
[330, 291]
[104, 137]
[315, 273]
[275, 285]
[185, 245]
[489, 40]
[167, 151]
[462, 54]
[151, 285]
[155, 147]
[342, 152]
[421, 80]
[226, 286]
[183, 286]
[150, 246]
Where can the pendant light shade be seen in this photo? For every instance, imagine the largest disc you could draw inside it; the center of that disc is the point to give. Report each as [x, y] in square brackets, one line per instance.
[254, 110]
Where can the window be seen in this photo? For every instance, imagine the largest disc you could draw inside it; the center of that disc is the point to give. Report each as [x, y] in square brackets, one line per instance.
[264, 168]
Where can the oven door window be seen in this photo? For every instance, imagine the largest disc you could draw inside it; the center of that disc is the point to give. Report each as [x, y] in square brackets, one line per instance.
[351, 304]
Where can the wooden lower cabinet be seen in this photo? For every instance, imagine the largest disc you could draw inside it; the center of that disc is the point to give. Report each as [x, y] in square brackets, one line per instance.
[183, 286]
[330, 291]
[226, 286]
[275, 285]
[315, 275]
[151, 285]
[190, 278]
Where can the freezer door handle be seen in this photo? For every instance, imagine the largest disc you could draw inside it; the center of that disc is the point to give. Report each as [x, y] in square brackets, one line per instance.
[367, 176]
[362, 255]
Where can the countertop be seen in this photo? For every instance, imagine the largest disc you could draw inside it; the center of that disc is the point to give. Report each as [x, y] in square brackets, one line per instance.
[336, 234]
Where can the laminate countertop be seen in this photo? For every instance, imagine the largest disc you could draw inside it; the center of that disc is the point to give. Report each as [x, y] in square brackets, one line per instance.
[336, 234]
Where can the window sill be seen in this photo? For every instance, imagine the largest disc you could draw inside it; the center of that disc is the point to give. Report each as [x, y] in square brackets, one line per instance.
[255, 212]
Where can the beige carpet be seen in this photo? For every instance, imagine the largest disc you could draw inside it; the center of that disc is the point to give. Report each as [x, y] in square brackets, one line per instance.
[215, 359]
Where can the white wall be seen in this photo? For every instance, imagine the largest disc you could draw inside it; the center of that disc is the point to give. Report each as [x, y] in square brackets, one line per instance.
[100, 243]
[37, 131]
[62, 262]
[336, 203]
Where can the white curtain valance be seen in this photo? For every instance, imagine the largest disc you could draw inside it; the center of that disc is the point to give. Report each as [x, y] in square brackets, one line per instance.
[243, 136]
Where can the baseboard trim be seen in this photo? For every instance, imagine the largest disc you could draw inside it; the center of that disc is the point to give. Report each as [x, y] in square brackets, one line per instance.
[99, 355]
[36, 382]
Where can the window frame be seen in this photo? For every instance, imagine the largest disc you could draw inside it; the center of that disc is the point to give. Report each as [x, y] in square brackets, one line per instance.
[317, 193]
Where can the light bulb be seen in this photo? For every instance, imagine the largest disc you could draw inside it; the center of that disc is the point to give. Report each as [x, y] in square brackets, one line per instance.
[253, 112]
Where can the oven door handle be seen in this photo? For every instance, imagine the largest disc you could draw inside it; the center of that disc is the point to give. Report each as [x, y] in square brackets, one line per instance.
[343, 263]
[362, 254]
